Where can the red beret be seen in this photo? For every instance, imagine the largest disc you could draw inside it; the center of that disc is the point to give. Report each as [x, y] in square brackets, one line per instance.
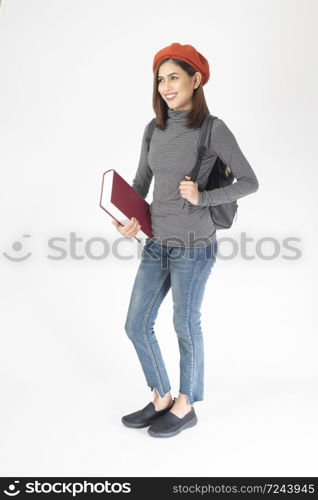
[186, 53]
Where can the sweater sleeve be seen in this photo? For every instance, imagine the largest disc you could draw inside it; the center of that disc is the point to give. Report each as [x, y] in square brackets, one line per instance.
[144, 174]
[224, 144]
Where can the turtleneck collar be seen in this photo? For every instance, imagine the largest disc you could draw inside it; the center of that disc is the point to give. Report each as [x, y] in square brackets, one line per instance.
[177, 115]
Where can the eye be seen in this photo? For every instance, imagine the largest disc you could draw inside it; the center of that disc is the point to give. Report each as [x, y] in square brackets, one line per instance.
[159, 81]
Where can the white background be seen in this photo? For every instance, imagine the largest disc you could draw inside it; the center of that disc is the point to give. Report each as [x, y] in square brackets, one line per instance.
[75, 96]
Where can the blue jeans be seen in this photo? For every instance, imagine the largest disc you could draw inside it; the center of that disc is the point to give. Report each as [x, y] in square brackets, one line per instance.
[185, 270]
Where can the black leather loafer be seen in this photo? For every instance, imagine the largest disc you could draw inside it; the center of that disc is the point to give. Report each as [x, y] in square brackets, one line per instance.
[169, 424]
[145, 417]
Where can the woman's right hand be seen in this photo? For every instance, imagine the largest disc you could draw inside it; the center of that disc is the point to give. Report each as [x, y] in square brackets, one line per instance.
[130, 229]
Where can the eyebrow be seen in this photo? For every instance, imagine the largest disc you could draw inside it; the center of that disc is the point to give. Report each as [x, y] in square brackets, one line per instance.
[174, 73]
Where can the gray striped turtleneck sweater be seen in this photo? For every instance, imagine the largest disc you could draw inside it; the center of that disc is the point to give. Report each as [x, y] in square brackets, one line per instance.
[172, 155]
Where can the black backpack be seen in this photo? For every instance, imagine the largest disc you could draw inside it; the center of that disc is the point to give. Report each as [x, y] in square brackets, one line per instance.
[220, 176]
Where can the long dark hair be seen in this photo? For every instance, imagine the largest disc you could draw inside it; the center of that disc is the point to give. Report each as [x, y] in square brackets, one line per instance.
[199, 109]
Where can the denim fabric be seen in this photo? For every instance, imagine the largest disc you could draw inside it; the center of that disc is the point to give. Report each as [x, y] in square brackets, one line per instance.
[185, 270]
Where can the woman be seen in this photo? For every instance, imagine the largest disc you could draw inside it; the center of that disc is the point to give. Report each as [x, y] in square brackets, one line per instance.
[182, 251]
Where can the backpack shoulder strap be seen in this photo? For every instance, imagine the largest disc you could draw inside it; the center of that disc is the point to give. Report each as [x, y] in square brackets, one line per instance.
[203, 140]
[205, 132]
[151, 127]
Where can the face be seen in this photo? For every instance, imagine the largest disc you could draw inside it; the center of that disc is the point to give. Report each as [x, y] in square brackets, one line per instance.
[175, 82]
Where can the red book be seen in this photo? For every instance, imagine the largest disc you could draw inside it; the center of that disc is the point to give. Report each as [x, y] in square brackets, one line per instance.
[118, 198]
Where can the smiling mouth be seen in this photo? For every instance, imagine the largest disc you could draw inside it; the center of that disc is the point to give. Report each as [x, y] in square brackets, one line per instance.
[169, 97]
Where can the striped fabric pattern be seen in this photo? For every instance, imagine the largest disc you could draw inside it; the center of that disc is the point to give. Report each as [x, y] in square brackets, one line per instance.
[172, 155]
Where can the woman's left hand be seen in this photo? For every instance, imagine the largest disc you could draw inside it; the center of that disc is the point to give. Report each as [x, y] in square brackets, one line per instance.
[189, 191]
